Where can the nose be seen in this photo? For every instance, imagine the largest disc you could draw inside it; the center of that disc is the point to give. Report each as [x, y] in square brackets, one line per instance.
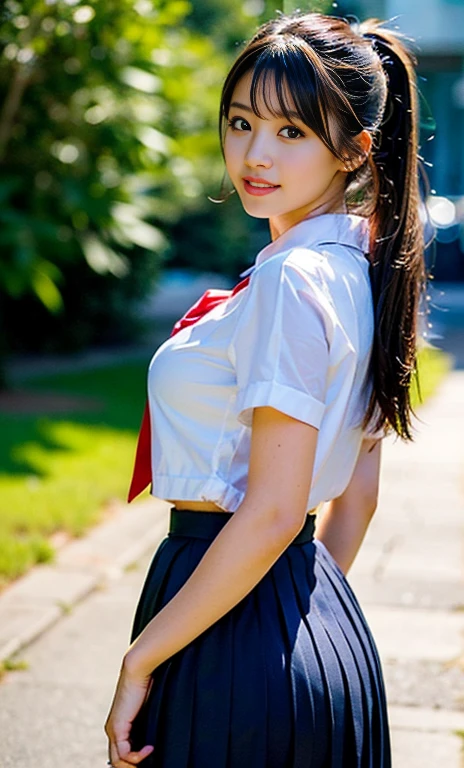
[257, 154]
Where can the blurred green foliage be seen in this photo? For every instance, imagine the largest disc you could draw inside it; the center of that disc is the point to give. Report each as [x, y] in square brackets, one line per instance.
[108, 137]
[109, 151]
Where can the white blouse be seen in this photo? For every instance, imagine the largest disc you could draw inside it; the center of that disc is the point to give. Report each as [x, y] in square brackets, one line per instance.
[298, 338]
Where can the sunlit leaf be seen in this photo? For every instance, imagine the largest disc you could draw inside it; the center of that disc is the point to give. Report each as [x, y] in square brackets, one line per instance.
[101, 258]
[46, 290]
[140, 79]
[154, 139]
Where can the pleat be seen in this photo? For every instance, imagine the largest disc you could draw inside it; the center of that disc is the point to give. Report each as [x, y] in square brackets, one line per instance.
[289, 678]
[362, 699]
[153, 717]
[275, 653]
[158, 581]
[175, 707]
[247, 747]
[211, 684]
[327, 712]
[334, 683]
[311, 742]
[353, 609]
[357, 676]
[325, 607]
[301, 696]
[148, 595]
[376, 753]
[170, 700]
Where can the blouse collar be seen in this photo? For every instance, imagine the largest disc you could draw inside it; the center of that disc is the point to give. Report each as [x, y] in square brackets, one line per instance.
[339, 228]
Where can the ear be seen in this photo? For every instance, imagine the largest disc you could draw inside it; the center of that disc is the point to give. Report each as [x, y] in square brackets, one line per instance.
[364, 140]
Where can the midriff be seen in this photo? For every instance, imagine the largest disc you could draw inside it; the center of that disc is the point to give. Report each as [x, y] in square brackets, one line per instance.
[201, 506]
[209, 506]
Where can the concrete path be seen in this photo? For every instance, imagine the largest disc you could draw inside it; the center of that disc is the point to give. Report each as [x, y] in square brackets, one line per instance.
[408, 578]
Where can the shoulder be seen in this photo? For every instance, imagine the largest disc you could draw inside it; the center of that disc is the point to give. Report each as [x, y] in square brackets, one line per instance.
[299, 267]
[337, 271]
[299, 274]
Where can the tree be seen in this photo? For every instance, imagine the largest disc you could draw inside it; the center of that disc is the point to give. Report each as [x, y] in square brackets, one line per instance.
[108, 152]
[105, 109]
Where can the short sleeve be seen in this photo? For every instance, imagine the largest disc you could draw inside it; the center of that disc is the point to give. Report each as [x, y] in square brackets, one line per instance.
[280, 345]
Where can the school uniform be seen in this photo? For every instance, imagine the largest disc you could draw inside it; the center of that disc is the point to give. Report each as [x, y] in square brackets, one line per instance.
[291, 676]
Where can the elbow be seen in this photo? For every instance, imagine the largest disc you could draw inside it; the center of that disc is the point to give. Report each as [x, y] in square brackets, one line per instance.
[279, 515]
[285, 527]
[289, 525]
[277, 525]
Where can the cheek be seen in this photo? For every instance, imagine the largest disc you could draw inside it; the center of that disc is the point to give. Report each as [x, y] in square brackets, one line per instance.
[311, 158]
[232, 152]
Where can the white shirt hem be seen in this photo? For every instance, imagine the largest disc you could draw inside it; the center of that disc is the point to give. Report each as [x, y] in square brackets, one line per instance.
[212, 489]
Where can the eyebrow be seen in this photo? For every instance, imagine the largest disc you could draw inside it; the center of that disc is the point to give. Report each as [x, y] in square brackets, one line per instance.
[247, 108]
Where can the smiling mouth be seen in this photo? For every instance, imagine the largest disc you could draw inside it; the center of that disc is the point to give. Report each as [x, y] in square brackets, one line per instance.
[259, 185]
[258, 188]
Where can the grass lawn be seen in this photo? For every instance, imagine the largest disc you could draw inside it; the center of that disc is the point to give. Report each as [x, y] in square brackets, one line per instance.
[61, 470]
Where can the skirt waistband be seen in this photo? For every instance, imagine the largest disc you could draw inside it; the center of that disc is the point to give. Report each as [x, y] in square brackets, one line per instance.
[206, 525]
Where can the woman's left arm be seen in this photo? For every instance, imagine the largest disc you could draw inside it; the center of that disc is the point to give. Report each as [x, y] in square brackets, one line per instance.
[272, 513]
[345, 519]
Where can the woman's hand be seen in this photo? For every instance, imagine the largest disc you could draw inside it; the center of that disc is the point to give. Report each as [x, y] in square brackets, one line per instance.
[131, 691]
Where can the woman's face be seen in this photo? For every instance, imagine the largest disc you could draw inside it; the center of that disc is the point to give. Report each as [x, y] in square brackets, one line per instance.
[306, 177]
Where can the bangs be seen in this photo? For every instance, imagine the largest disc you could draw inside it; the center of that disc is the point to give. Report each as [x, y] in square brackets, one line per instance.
[287, 70]
[284, 71]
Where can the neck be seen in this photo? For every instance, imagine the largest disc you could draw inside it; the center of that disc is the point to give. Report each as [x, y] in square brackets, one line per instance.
[280, 224]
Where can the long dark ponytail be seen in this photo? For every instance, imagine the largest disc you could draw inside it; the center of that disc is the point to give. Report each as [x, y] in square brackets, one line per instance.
[398, 272]
[364, 74]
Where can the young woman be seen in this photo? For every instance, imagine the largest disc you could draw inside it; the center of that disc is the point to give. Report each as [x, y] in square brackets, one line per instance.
[249, 648]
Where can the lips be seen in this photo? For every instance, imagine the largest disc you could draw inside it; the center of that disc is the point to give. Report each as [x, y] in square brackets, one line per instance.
[258, 186]
[258, 180]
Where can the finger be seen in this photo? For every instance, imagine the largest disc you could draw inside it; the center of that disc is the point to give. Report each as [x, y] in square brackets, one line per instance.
[116, 761]
[132, 757]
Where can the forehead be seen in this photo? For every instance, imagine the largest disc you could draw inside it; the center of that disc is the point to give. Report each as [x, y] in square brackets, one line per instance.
[269, 101]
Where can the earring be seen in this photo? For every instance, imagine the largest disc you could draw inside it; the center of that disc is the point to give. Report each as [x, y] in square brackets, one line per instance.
[224, 194]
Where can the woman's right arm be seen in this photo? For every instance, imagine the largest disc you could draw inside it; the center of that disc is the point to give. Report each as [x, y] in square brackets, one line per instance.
[344, 520]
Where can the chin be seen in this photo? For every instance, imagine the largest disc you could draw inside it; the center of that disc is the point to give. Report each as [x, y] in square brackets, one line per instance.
[258, 214]
[259, 210]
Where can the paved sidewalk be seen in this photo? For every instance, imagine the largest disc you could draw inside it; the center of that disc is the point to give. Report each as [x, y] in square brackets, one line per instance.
[408, 578]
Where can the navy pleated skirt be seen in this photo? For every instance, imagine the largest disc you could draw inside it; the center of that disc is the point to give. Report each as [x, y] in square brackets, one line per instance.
[289, 678]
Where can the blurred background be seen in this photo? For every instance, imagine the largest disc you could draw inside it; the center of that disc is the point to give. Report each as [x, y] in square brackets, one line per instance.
[109, 151]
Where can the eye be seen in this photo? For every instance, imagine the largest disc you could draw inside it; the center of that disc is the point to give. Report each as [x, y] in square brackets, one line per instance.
[295, 133]
[295, 130]
[233, 123]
